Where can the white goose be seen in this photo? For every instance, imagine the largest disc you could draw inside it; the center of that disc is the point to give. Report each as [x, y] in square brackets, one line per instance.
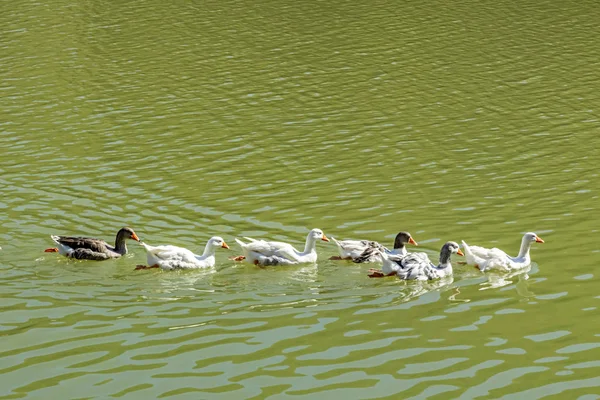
[485, 259]
[415, 266]
[365, 251]
[262, 252]
[173, 257]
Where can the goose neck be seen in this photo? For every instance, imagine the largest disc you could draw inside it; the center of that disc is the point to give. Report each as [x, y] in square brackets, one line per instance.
[525, 247]
[120, 246]
[310, 245]
[209, 250]
[445, 254]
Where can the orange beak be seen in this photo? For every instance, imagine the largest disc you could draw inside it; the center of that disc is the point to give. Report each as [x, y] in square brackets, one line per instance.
[224, 245]
[324, 238]
[412, 241]
[539, 239]
[460, 253]
[135, 237]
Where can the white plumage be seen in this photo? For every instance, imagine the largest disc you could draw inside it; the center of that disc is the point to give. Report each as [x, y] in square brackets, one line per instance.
[262, 252]
[169, 257]
[486, 259]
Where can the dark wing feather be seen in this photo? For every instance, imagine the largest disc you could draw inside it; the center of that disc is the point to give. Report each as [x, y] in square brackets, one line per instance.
[95, 245]
[87, 254]
[413, 266]
[373, 249]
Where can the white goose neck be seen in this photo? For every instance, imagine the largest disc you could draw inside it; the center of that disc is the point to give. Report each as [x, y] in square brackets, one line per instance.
[402, 251]
[311, 244]
[525, 247]
[209, 250]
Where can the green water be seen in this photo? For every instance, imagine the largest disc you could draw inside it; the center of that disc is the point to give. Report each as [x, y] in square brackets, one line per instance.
[452, 120]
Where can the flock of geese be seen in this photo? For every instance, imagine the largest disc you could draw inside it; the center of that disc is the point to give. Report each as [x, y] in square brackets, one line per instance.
[395, 262]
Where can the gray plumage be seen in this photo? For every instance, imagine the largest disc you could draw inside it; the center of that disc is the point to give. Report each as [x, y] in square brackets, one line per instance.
[83, 248]
[417, 266]
[373, 250]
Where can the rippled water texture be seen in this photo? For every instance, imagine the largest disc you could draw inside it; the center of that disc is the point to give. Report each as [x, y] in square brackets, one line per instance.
[452, 120]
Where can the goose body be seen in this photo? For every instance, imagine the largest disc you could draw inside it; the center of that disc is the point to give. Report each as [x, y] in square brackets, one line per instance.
[262, 252]
[486, 259]
[84, 248]
[366, 251]
[169, 257]
[351, 249]
[417, 266]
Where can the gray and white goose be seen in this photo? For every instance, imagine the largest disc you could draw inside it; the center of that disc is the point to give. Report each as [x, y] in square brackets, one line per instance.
[366, 251]
[84, 248]
[415, 266]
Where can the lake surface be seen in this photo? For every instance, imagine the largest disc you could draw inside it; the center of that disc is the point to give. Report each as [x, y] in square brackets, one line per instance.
[474, 121]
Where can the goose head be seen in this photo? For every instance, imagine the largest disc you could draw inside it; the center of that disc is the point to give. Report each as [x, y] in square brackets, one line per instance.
[217, 241]
[128, 233]
[453, 248]
[448, 249]
[532, 237]
[402, 238]
[317, 234]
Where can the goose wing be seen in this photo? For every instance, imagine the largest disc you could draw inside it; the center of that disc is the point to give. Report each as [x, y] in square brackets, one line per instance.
[487, 253]
[270, 249]
[170, 253]
[414, 266]
[371, 253]
[75, 243]
[88, 254]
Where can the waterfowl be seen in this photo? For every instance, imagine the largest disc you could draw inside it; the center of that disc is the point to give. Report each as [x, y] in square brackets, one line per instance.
[83, 248]
[415, 266]
[372, 252]
[172, 257]
[485, 259]
[262, 252]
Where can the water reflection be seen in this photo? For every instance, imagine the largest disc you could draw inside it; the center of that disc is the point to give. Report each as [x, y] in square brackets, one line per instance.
[266, 120]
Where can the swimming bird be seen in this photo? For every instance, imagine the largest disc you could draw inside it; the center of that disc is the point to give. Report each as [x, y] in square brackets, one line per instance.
[415, 266]
[83, 248]
[262, 252]
[371, 251]
[169, 257]
[485, 259]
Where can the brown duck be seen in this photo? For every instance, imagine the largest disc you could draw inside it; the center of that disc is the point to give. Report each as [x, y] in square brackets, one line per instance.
[83, 248]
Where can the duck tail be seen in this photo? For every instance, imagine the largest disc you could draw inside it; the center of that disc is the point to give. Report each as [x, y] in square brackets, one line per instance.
[470, 258]
[60, 248]
[240, 242]
[148, 248]
[467, 249]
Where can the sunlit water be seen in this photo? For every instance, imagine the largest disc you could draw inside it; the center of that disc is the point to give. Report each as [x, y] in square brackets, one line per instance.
[474, 121]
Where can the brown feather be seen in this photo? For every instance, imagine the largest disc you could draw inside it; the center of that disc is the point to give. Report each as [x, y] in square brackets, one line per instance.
[95, 245]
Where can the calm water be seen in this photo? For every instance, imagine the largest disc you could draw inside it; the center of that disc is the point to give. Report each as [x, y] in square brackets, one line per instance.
[452, 120]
